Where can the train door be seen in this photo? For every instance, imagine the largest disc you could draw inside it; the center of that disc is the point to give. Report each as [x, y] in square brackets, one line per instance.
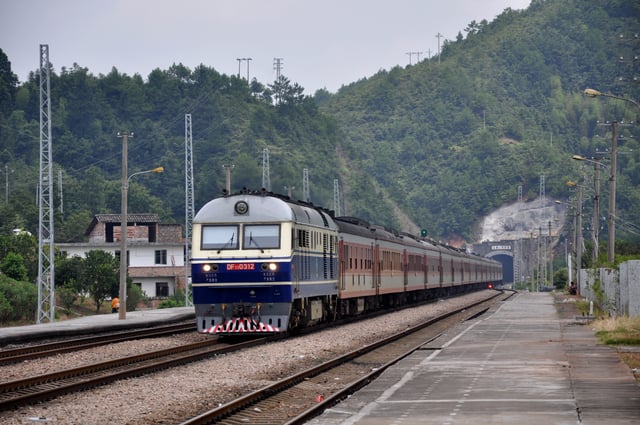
[441, 269]
[405, 269]
[376, 269]
[342, 264]
[425, 270]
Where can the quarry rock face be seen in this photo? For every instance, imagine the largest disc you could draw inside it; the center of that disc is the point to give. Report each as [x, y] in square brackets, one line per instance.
[522, 219]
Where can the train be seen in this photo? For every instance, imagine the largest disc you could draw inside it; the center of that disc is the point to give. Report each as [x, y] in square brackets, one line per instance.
[264, 263]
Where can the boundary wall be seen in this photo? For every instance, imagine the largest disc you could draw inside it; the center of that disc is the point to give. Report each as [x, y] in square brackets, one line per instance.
[617, 291]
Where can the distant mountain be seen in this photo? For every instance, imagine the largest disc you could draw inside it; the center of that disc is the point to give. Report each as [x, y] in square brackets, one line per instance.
[450, 139]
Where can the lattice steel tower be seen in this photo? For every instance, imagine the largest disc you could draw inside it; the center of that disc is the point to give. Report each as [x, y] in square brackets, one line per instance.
[306, 196]
[266, 178]
[46, 289]
[188, 215]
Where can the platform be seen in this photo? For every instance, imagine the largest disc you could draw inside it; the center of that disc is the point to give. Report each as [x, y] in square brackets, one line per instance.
[87, 325]
[518, 364]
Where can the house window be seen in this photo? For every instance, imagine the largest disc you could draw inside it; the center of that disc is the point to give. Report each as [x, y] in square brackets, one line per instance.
[162, 289]
[117, 255]
[161, 256]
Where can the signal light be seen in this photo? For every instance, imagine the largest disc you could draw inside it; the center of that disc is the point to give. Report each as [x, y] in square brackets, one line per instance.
[423, 233]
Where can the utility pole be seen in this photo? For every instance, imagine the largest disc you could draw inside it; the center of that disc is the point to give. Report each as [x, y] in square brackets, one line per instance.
[438, 35]
[239, 61]
[227, 169]
[289, 190]
[248, 60]
[60, 191]
[189, 209]
[579, 241]
[7, 171]
[411, 55]
[122, 293]
[46, 268]
[612, 192]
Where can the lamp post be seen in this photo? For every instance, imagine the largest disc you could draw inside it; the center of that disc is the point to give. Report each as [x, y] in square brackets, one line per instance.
[122, 312]
[612, 176]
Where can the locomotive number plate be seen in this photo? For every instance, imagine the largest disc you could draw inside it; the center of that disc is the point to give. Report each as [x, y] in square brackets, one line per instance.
[241, 266]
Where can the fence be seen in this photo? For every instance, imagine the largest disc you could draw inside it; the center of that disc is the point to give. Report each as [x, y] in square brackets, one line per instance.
[617, 291]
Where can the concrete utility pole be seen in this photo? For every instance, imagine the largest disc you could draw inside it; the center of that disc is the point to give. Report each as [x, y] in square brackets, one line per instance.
[612, 192]
[7, 171]
[122, 294]
[438, 35]
[239, 61]
[227, 169]
[411, 55]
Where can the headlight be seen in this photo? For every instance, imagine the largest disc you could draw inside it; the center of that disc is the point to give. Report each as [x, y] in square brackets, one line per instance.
[269, 267]
[209, 268]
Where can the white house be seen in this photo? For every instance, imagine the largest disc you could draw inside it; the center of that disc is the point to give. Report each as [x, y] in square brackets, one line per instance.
[155, 251]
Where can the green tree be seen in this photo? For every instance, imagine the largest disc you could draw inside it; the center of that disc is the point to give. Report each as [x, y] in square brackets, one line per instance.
[13, 266]
[18, 300]
[100, 276]
[8, 84]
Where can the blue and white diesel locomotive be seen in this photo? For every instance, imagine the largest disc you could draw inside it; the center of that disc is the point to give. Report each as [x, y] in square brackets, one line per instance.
[261, 262]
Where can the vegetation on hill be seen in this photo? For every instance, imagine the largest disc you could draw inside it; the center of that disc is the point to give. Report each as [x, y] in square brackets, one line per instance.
[450, 139]
[445, 141]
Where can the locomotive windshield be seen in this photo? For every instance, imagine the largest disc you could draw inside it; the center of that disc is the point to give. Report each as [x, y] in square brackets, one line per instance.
[261, 236]
[219, 237]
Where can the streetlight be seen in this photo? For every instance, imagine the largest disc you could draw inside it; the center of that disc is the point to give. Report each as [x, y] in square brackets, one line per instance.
[612, 177]
[122, 312]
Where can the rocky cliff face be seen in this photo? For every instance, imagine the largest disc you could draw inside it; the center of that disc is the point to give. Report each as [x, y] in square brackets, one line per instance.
[522, 219]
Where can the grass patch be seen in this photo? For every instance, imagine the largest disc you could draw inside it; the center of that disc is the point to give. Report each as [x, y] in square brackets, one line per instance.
[618, 331]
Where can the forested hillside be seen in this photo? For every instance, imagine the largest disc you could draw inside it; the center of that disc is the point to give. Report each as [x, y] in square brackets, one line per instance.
[446, 140]
[450, 139]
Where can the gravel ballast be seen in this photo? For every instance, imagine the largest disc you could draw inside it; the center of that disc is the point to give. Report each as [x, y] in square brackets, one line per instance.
[171, 396]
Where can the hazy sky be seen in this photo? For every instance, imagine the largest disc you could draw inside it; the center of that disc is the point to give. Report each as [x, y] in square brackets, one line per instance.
[322, 43]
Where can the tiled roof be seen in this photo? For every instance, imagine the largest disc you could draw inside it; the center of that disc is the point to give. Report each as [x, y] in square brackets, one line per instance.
[131, 218]
[117, 218]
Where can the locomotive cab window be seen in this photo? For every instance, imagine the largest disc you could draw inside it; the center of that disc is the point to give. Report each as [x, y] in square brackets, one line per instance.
[220, 237]
[264, 236]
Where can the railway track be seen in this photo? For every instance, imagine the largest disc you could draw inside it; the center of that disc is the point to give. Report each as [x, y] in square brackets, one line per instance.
[59, 347]
[45, 387]
[300, 397]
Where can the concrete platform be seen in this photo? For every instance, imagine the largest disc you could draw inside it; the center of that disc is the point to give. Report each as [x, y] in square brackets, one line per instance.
[518, 364]
[99, 323]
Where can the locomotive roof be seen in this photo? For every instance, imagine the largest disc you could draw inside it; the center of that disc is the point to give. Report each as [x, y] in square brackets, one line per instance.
[263, 207]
